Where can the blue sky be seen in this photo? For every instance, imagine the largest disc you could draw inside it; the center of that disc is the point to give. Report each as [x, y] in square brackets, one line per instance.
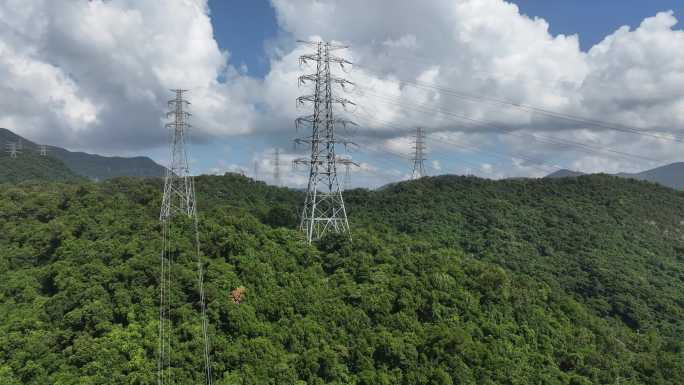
[245, 26]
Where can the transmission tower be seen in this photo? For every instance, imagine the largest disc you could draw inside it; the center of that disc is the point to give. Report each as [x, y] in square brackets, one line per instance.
[178, 200]
[13, 150]
[347, 163]
[43, 150]
[419, 155]
[276, 167]
[324, 209]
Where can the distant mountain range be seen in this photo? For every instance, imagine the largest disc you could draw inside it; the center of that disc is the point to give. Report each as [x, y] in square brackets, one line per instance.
[91, 166]
[671, 175]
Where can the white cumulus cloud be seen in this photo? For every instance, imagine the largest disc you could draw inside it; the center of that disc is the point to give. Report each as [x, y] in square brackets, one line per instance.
[95, 75]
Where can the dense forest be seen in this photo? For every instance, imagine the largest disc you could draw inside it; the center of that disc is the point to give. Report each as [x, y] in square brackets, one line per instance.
[31, 166]
[447, 280]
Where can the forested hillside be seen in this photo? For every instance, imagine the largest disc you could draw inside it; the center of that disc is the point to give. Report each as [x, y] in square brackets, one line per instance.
[448, 280]
[28, 166]
[61, 162]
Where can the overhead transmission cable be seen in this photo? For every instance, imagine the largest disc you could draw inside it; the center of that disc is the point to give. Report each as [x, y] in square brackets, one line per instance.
[470, 147]
[507, 131]
[532, 109]
[504, 156]
[178, 201]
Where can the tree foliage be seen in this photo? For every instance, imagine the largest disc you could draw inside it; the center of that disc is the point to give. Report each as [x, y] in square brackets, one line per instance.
[448, 280]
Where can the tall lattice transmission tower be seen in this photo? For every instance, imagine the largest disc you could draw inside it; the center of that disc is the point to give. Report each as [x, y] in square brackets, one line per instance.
[419, 155]
[13, 149]
[178, 200]
[42, 150]
[323, 209]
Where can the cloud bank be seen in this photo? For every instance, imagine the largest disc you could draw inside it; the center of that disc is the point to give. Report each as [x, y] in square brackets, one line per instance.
[95, 75]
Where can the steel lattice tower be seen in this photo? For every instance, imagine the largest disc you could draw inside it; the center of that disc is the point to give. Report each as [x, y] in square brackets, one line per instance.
[347, 163]
[178, 200]
[43, 150]
[324, 209]
[179, 190]
[13, 150]
[419, 155]
[276, 167]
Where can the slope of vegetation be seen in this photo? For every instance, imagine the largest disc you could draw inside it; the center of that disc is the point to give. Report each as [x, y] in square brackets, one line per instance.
[91, 166]
[98, 167]
[28, 166]
[449, 280]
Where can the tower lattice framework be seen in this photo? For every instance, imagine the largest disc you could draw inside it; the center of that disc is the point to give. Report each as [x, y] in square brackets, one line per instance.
[178, 201]
[324, 209]
[419, 155]
[13, 149]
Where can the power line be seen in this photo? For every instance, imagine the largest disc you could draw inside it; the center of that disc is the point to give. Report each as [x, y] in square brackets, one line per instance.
[534, 109]
[402, 157]
[506, 131]
[506, 156]
[178, 200]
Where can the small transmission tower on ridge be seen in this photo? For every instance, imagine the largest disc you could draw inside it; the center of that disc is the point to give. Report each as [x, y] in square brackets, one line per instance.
[276, 167]
[43, 150]
[13, 149]
[178, 200]
[419, 155]
[324, 209]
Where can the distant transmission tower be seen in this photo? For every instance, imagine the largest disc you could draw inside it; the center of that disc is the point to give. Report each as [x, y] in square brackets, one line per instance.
[419, 155]
[256, 170]
[43, 150]
[347, 163]
[179, 199]
[324, 209]
[13, 150]
[276, 167]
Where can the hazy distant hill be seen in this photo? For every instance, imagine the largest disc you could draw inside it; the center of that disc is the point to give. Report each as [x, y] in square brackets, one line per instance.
[90, 165]
[671, 175]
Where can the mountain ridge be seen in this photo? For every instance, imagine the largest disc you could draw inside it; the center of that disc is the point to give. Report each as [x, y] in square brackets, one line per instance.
[670, 175]
[91, 166]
